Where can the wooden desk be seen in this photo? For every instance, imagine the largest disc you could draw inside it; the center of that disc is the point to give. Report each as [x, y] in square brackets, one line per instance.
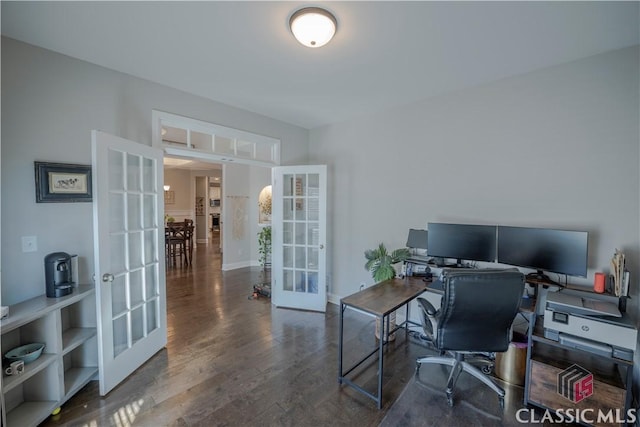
[379, 300]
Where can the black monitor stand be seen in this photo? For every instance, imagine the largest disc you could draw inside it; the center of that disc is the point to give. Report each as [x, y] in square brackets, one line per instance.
[457, 264]
[540, 278]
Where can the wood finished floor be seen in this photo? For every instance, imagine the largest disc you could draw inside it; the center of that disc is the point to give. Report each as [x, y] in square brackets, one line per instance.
[235, 361]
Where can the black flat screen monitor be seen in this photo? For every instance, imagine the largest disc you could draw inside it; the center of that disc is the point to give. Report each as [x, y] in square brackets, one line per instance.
[543, 249]
[462, 241]
[417, 239]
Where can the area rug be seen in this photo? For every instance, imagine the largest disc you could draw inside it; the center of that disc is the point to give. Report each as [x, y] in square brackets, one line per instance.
[423, 402]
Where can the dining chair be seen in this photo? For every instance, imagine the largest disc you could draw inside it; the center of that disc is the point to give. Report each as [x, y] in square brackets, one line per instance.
[188, 233]
[176, 241]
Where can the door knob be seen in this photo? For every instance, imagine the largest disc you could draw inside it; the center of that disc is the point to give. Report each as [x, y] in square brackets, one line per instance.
[107, 277]
[321, 246]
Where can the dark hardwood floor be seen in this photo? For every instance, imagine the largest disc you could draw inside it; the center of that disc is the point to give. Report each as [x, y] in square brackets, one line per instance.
[235, 361]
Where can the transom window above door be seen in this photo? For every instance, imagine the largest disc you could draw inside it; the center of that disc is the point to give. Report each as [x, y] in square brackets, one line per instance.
[183, 136]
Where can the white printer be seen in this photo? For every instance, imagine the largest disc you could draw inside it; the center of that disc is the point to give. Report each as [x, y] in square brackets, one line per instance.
[578, 321]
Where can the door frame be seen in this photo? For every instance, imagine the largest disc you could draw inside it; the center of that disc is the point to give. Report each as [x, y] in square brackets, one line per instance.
[183, 122]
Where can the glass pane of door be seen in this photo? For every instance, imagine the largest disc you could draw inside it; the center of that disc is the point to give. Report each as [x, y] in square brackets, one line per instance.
[134, 241]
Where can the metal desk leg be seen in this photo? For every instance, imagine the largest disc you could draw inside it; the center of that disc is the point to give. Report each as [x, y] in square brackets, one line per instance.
[406, 324]
[383, 336]
[342, 308]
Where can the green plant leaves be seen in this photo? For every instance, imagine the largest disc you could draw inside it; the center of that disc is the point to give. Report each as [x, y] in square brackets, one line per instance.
[264, 244]
[380, 262]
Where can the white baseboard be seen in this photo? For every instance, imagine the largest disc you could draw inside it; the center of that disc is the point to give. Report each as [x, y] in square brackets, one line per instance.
[333, 298]
[235, 265]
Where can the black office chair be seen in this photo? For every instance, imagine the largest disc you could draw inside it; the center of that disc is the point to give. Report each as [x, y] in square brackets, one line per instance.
[475, 316]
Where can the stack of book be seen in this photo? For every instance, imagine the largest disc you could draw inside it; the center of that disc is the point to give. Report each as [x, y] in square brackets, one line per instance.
[619, 274]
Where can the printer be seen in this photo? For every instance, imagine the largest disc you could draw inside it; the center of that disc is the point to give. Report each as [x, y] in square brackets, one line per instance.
[578, 321]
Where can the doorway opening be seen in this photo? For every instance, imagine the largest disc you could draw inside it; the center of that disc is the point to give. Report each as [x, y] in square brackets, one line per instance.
[227, 168]
[193, 190]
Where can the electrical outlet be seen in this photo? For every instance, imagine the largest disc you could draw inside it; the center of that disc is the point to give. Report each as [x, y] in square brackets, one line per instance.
[29, 243]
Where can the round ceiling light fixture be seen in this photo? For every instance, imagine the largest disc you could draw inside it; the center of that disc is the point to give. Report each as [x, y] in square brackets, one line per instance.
[313, 26]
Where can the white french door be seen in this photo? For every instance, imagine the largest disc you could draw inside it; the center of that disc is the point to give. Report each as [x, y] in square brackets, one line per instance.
[299, 217]
[129, 255]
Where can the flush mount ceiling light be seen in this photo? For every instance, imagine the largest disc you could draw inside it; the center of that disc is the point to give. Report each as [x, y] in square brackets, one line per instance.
[313, 26]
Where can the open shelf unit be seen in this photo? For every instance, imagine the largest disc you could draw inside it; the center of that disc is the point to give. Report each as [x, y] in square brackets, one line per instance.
[67, 327]
[546, 359]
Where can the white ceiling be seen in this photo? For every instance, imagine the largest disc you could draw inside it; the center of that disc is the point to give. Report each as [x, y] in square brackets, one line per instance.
[173, 162]
[384, 54]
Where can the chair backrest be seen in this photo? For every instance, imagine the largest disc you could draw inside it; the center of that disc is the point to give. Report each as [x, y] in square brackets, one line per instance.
[478, 308]
[176, 230]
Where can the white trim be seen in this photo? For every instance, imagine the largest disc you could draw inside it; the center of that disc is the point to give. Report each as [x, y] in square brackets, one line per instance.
[162, 118]
[187, 213]
[236, 265]
[333, 298]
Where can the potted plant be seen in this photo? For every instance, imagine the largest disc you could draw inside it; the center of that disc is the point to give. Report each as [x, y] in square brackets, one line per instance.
[381, 265]
[264, 246]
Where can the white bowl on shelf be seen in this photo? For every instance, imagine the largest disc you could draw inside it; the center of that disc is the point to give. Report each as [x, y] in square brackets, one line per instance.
[27, 353]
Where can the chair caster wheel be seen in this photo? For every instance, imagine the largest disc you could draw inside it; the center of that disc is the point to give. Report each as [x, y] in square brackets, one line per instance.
[501, 399]
[449, 400]
[486, 369]
[417, 367]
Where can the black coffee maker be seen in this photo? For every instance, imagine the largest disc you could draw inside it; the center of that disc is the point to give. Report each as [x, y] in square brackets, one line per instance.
[57, 273]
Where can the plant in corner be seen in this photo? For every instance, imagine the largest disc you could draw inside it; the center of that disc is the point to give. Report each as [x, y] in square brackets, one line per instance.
[264, 246]
[380, 263]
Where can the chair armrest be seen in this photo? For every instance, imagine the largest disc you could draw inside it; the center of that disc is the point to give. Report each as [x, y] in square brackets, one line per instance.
[427, 307]
[428, 319]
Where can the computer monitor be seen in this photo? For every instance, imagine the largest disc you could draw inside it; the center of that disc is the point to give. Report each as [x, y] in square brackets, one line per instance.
[417, 239]
[543, 249]
[462, 241]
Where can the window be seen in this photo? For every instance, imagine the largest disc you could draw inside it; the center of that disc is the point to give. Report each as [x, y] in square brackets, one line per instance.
[183, 136]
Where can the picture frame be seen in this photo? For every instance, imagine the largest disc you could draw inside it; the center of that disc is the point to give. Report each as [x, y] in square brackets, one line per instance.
[199, 205]
[169, 197]
[63, 182]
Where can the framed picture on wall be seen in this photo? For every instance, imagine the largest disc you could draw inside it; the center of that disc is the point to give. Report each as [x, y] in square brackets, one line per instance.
[62, 182]
[169, 197]
[199, 205]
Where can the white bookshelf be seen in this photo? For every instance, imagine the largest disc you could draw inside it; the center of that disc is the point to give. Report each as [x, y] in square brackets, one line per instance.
[67, 327]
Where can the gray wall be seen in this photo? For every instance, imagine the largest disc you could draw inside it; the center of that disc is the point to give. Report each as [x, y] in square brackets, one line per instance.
[50, 103]
[236, 226]
[554, 148]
